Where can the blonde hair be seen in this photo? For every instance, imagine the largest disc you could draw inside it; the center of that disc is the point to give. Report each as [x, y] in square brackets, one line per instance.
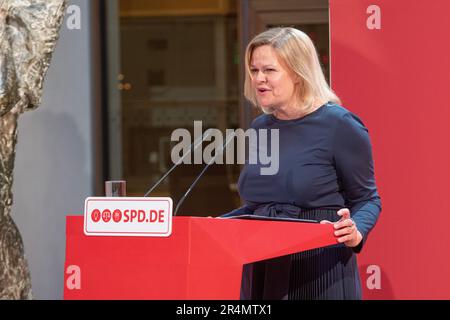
[298, 53]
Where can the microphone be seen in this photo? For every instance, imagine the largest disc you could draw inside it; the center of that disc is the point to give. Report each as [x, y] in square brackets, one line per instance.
[180, 202]
[195, 144]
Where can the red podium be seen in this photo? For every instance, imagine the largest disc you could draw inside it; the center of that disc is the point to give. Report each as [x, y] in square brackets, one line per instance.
[202, 259]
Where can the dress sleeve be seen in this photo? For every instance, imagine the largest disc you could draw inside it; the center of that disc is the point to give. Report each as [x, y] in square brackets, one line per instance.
[355, 171]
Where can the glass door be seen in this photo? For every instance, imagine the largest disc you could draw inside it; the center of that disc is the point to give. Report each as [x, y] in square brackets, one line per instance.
[179, 64]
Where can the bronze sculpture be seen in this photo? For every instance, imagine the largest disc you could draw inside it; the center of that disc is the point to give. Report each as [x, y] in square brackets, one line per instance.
[28, 34]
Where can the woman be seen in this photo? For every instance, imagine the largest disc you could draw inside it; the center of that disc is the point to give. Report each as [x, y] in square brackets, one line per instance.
[325, 170]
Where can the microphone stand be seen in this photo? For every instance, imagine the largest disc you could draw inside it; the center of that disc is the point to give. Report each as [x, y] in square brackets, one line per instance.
[180, 202]
[196, 144]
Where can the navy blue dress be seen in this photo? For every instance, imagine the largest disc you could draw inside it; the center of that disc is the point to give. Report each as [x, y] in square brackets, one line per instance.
[325, 164]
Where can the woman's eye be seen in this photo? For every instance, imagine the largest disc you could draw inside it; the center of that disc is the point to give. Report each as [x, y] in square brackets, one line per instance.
[253, 70]
[270, 70]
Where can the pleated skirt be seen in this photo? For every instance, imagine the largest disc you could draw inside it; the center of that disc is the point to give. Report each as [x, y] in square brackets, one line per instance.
[329, 273]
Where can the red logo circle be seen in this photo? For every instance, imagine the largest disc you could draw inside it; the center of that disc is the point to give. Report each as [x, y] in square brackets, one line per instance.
[106, 215]
[95, 215]
[117, 215]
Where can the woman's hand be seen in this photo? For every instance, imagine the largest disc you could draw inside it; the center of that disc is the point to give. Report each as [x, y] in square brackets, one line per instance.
[345, 229]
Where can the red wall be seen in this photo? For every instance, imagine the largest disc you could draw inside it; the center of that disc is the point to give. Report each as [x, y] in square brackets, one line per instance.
[397, 79]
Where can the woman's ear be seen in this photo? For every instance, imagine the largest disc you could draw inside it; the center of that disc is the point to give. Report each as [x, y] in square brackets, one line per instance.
[295, 77]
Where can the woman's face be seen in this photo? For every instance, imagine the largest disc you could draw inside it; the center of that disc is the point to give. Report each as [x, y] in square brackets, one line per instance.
[274, 84]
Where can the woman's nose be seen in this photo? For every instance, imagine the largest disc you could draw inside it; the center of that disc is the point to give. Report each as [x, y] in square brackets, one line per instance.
[260, 77]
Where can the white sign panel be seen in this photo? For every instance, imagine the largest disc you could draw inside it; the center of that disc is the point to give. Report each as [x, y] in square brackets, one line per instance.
[144, 217]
